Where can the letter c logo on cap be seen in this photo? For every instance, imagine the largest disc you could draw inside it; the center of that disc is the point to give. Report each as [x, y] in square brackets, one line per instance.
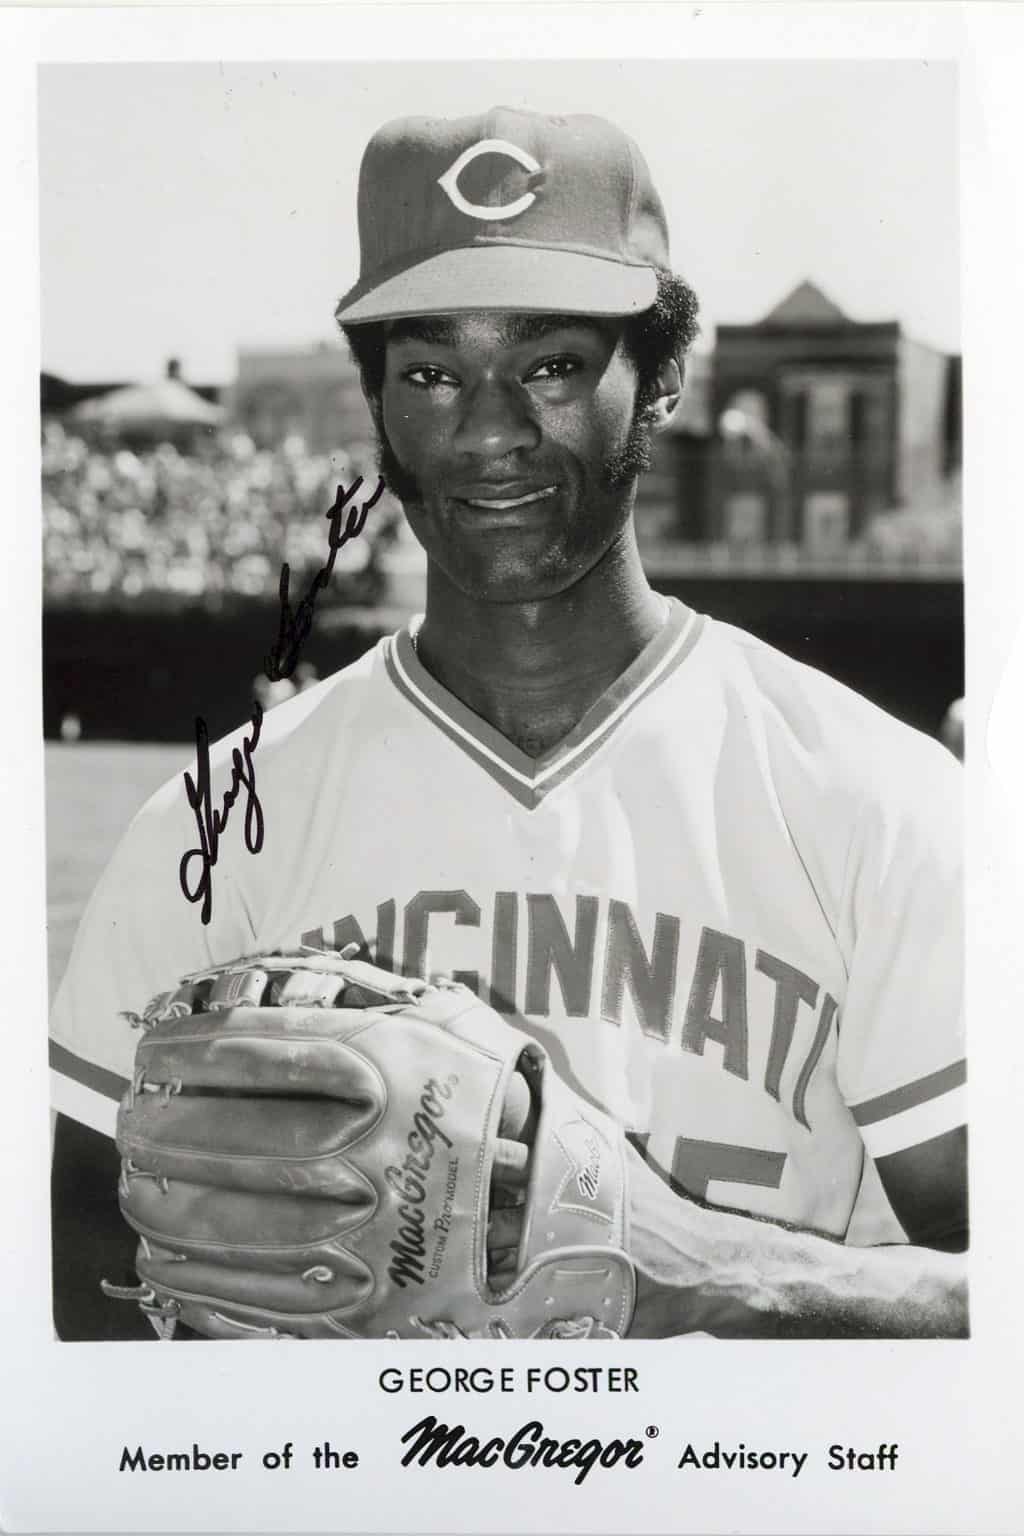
[449, 182]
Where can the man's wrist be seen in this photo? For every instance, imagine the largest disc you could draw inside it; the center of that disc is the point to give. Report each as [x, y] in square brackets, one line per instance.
[709, 1271]
[694, 1270]
[664, 1311]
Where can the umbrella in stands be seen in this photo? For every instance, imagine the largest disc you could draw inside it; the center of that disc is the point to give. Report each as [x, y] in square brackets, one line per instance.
[164, 409]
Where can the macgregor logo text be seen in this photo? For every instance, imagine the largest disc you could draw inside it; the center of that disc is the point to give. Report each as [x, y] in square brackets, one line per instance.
[409, 1181]
[450, 1446]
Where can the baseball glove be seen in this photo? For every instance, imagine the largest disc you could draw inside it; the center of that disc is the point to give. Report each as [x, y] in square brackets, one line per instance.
[314, 1148]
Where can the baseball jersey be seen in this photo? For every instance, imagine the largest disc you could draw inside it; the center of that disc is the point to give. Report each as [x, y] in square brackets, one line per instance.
[727, 903]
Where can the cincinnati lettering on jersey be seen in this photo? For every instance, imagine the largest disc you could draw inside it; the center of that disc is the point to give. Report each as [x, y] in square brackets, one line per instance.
[716, 1004]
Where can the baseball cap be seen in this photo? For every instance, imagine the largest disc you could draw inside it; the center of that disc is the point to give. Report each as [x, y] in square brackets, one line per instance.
[507, 210]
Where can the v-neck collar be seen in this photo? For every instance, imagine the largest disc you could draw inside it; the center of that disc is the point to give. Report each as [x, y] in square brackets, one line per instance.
[529, 779]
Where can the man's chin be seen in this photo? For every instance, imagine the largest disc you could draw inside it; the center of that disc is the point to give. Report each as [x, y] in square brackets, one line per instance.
[507, 583]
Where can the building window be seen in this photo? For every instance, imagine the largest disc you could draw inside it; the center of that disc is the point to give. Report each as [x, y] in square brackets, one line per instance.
[826, 522]
[827, 413]
[858, 419]
[746, 518]
[271, 412]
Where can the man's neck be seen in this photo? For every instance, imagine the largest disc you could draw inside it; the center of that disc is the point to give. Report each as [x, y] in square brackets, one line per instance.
[532, 670]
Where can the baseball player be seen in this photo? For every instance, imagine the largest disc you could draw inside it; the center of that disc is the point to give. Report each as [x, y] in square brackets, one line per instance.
[720, 891]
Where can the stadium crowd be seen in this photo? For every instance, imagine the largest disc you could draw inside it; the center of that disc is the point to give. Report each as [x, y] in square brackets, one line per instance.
[213, 522]
[218, 520]
[122, 523]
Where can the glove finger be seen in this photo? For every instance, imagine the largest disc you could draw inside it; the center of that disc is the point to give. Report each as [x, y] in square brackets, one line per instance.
[504, 1230]
[262, 1050]
[509, 1165]
[331, 1283]
[187, 1214]
[505, 1227]
[501, 1262]
[501, 1196]
[244, 1142]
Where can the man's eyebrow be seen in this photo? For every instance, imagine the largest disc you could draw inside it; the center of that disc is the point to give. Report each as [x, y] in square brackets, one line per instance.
[436, 331]
[522, 328]
[442, 330]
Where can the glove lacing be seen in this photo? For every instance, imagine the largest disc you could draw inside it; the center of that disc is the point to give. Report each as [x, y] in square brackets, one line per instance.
[564, 1328]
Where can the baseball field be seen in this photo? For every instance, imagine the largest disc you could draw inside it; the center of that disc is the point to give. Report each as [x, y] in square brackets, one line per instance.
[93, 789]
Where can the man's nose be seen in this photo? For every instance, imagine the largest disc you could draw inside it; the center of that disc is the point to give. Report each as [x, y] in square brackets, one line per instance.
[496, 420]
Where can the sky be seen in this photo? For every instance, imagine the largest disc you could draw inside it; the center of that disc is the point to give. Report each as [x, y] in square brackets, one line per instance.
[188, 210]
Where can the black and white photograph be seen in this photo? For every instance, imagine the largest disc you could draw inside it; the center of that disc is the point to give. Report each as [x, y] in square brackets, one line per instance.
[602, 730]
[503, 695]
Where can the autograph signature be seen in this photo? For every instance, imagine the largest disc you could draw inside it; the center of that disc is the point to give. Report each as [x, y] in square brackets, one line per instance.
[197, 886]
[210, 822]
[294, 627]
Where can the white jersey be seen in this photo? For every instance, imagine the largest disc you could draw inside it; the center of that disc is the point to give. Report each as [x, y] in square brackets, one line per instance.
[728, 903]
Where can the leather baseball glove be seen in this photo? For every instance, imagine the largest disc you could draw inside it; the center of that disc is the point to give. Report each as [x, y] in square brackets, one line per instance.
[314, 1148]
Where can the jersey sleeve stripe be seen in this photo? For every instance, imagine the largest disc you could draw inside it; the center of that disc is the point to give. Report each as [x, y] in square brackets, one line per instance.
[83, 1104]
[87, 1074]
[921, 1123]
[910, 1095]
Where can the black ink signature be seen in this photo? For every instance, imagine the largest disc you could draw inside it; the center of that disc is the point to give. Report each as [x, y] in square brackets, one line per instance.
[281, 662]
[294, 627]
[210, 823]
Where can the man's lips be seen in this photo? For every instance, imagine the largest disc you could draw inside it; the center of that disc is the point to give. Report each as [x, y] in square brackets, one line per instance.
[504, 498]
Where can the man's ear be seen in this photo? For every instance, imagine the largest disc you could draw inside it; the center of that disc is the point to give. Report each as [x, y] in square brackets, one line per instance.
[670, 388]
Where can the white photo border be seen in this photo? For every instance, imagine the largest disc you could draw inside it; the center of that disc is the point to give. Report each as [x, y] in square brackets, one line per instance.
[67, 1410]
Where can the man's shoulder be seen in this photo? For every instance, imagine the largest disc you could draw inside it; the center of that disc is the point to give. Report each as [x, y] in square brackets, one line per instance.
[844, 775]
[284, 745]
[804, 712]
[319, 707]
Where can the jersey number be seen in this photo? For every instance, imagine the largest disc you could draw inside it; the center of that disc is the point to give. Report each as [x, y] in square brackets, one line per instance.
[695, 1163]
